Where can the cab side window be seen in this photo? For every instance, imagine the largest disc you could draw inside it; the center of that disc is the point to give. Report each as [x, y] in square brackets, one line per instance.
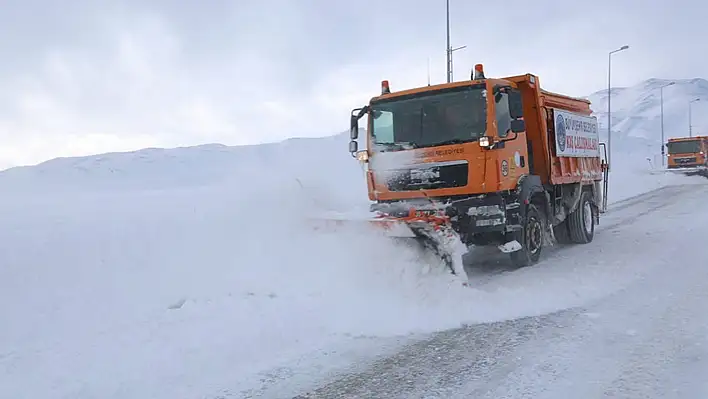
[502, 114]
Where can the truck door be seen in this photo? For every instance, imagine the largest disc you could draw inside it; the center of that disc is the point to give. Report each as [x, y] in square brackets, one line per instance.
[521, 161]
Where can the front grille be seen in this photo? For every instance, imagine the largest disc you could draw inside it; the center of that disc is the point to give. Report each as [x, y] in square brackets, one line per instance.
[429, 177]
[682, 161]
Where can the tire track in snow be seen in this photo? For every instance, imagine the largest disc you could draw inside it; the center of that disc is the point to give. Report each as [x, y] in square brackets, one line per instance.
[479, 360]
[492, 264]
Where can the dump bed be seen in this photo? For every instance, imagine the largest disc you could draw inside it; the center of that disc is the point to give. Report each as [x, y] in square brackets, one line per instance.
[563, 136]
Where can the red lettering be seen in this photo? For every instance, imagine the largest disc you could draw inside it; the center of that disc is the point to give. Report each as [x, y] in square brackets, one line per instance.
[581, 143]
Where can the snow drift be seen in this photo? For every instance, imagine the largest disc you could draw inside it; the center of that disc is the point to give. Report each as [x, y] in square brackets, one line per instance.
[101, 290]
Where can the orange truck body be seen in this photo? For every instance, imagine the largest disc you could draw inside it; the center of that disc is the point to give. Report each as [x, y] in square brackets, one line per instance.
[534, 148]
[687, 152]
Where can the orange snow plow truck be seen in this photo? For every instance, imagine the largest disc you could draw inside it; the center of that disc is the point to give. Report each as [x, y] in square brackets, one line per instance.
[688, 155]
[493, 161]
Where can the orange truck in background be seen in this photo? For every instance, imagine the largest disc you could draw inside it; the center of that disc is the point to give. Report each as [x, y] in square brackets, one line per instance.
[501, 161]
[687, 153]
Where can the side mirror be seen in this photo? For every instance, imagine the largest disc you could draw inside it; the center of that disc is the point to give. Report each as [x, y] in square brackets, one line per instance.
[497, 91]
[353, 147]
[516, 109]
[354, 127]
[518, 126]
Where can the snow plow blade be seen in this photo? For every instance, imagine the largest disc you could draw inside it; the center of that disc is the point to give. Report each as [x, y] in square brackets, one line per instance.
[690, 171]
[390, 228]
[429, 231]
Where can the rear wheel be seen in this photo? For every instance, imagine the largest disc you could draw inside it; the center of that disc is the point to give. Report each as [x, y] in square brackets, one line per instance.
[530, 238]
[581, 223]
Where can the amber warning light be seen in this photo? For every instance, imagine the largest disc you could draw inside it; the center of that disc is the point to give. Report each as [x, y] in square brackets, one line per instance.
[384, 87]
[478, 72]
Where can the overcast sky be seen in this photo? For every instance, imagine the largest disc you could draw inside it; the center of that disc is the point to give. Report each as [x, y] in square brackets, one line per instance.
[82, 77]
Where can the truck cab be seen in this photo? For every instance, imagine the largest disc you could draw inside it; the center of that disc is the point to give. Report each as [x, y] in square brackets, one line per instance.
[435, 141]
[687, 152]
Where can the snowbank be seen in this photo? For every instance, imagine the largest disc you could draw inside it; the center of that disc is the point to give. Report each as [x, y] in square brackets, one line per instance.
[634, 175]
[181, 291]
[101, 290]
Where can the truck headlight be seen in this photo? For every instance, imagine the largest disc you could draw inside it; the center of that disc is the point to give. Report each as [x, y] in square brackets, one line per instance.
[484, 141]
[362, 155]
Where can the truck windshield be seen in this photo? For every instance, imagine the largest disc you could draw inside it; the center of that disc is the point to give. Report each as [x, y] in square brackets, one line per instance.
[425, 120]
[684, 147]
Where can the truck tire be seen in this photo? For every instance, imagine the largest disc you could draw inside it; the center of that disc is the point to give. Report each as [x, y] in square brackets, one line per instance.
[530, 238]
[581, 223]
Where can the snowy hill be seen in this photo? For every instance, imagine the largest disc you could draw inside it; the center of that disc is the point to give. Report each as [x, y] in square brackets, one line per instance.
[636, 123]
[636, 111]
[158, 169]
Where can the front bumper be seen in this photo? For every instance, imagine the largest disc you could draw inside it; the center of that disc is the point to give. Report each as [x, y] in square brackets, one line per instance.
[480, 214]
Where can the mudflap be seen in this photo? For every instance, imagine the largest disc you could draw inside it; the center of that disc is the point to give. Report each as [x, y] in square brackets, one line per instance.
[515, 242]
[509, 247]
[549, 239]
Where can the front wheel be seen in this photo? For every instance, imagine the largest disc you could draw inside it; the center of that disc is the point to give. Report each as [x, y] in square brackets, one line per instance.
[531, 239]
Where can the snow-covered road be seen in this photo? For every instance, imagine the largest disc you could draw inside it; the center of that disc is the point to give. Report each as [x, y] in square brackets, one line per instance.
[646, 336]
[187, 293]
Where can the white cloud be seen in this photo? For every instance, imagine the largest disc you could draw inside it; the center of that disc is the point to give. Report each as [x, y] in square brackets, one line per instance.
[143, 74]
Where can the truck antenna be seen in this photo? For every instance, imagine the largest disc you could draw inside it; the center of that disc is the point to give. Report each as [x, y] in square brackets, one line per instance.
[428, 71]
